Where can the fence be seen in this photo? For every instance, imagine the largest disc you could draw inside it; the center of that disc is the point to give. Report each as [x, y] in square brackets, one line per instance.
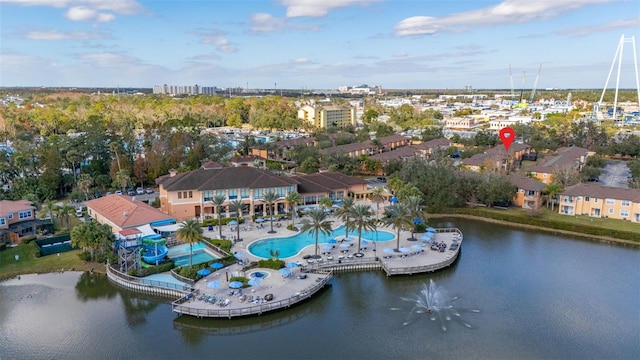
[144, 285]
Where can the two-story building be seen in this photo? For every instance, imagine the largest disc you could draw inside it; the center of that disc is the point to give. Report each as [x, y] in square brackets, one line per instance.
[497, 159]
[18, 219]
[190, 194]
[529, 192]
[601, 201]
[566, 158]
[122, 212]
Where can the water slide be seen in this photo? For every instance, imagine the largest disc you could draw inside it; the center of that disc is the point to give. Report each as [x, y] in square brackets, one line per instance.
[153, 249]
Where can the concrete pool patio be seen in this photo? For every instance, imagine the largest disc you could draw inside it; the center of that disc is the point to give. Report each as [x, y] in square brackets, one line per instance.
[214, 298]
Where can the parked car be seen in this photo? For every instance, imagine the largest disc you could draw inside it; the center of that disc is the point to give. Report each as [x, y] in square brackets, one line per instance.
[382, 178]
[139, 191]
[79, 213]
[118, 192]
[149, 191]
[131, 192]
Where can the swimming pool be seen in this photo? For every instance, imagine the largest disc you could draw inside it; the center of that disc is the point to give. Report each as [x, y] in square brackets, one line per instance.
[199, 257]
[184, 249]
[290, 246]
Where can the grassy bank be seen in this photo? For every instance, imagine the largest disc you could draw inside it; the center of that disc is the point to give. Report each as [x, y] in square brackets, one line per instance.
[583, 226]
[29, 263]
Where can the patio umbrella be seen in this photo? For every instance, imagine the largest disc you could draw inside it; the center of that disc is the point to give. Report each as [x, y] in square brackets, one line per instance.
[417, 221]
[216, 265]
[393, 200]
[327, 247]
[254, 282]
[259, 220]
[204, 272]
[214, 284]
[332, 241]
[239, 255]
[233, 222]
[345, 245]
[284, 272]
[292, 265]
[388, 250]
[403, 249]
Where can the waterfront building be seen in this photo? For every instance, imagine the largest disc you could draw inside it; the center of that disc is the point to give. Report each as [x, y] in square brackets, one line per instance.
[529, 192]
[601, 201]
[566, 158]
[121, 212]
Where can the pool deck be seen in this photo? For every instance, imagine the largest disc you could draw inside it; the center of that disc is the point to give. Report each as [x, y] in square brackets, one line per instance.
[223, 302]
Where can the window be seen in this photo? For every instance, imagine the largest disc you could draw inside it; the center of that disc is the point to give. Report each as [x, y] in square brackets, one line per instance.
[595, 200]
[257, 193]
[221, 193]
[586, 198]
[233, 194]
[625, 203]
[24, 214]
[544, 175]
[190, 194]
[610, 210]
[609, 201]
[244, 193]
[207, 195]
[3, 221]
[179, 195]
[10, 216]
[624, 213]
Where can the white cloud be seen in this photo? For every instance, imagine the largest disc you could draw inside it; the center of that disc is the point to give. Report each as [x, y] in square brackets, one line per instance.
[54, 35]
[507, 12]
[318, 8]
[218, 39]
[262, 22]
[586, 30]
[85, 10]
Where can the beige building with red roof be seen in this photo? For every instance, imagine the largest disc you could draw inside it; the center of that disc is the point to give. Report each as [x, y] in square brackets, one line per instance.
[566, 158]
[122, 212]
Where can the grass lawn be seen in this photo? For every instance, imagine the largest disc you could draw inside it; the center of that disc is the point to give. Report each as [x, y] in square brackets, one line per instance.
[28, 263]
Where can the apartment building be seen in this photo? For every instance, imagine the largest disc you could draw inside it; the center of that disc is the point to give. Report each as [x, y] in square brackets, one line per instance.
[328, 116]
[566, 158]
[601, 201]
[529, 192]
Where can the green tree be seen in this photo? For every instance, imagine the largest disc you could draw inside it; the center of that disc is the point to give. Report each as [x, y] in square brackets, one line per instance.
[84, 184]
[551, 192]
[377, 196]
[236, 207]
[414, 204]
[217, 202]
[344, 213]
[293, 199]
[496, 189]
[397, 217]
[48, 208]
[270, 197]
[325, 202]
[316, 223]
[64, 213]
[93, 236]
[190, 232]
[360, 219]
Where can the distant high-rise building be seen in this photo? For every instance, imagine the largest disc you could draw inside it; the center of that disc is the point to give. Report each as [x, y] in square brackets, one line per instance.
[184, 90]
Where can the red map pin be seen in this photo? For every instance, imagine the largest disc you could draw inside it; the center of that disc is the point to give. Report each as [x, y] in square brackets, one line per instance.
[507, 135]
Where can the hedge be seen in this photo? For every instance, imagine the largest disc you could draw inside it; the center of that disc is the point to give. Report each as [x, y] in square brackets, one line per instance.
[550, 224]
[214, 221]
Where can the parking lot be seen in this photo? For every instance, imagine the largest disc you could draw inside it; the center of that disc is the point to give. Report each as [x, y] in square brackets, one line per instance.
[615, 174]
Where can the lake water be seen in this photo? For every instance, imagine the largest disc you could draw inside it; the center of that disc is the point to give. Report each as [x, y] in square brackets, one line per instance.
[539, 296]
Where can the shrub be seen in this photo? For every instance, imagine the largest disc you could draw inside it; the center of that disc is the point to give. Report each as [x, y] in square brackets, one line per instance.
[271, 264]
[28, 239]
[292, 228]
[242, 279]
[222, 244]
[166, 266]
[84, 256]
[3, 246]
[420, 228]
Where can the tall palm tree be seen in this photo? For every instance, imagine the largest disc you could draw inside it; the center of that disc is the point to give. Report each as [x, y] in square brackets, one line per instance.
[64, 213]
[293, 199]
[190, 232]
[217, 202]
[377, 196]
[270, 197]
[48, 208]
[360, 219]
[235, 207]
[397, 217]
[414, 203]
[344, 213]
[551, 191]
[325, 202]
[316, 223]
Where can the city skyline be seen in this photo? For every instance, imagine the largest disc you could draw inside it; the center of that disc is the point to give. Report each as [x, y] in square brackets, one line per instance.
[316, 44]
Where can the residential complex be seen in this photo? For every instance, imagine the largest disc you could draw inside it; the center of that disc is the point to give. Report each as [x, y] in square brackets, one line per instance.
[328, 116]
[567, 158]
[601, 201]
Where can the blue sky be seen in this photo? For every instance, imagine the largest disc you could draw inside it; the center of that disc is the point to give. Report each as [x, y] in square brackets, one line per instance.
[316, 44]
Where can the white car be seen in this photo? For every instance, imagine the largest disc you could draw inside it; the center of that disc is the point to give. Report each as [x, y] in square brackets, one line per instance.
[79, 213]
[139, 191]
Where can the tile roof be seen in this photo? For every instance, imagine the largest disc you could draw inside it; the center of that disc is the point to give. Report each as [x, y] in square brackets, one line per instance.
[603, 192]
[225, 178]
[566, 157]
[125, 213]
[9, 207]
[245, 158]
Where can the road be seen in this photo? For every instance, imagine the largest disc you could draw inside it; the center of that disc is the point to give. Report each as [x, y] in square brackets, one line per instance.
[615, 174]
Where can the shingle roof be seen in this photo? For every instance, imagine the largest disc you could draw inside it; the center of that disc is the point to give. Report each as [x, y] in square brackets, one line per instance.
[324, 182]
[566, 157]
[225, 178]
[9, 207]
[525, 183]
[603, 192]
[124, 213]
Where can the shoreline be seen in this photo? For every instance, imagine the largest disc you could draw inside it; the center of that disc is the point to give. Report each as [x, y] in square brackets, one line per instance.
[583, 236]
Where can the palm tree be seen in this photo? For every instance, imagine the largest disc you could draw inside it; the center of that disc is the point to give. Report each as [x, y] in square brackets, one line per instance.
[344, 213]
[325, 202]
[217, 202]
[293, 199]
[190, 232]
[377, 196]
[64, 213]
[360, 219]
[48, 208]
[414, 203]
[551, 191]
[316, 223]
[270, 197]
[235, 207]
[397, 217]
